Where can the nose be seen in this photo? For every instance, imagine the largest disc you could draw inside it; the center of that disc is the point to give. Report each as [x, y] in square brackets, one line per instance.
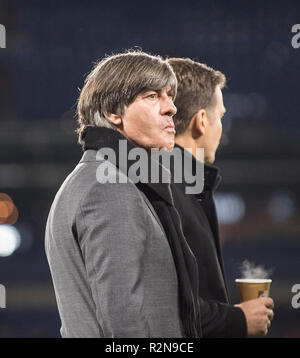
[168, 107]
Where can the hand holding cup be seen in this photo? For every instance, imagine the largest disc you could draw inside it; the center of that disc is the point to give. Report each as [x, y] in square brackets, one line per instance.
[256, 305]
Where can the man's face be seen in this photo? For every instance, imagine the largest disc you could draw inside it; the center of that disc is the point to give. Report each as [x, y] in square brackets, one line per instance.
[148, 120]
[214, 127]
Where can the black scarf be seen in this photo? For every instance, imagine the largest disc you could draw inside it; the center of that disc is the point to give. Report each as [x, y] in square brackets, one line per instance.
[160, 197]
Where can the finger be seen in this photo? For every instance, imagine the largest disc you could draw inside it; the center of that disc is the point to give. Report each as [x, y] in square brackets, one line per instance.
[270, 314]
[268, 302]
[265, 332]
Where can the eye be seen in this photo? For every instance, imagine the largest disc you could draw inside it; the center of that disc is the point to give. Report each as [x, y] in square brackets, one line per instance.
[152, 95]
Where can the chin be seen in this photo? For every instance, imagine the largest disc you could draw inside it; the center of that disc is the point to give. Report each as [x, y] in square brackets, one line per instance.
[169, 146]
[209, 160]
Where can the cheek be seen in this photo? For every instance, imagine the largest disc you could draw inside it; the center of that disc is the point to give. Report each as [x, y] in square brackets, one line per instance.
[136, 122]
[219, 128]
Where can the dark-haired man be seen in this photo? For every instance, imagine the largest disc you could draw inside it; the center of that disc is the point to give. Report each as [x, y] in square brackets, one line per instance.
[200, 108]
[114, 263]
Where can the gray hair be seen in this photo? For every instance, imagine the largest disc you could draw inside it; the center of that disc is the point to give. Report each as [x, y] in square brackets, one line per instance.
[116, 81]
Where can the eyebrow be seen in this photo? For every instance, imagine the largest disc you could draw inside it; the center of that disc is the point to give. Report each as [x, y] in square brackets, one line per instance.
[149, 90]
[171, 92]
[160, 91]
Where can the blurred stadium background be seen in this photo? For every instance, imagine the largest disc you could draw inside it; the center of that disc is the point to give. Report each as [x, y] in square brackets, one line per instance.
[51, 45]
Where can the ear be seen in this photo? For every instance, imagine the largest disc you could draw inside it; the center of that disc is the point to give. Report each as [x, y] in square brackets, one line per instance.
[114, 119]
[200, 121]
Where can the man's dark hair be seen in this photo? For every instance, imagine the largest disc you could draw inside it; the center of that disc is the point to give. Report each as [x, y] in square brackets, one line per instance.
[116, 81]
[195, 90]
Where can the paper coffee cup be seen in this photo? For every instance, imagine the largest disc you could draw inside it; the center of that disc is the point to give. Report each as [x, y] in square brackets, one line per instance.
[250, 289]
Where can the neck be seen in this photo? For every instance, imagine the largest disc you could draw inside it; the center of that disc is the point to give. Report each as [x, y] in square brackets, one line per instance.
[189, 144]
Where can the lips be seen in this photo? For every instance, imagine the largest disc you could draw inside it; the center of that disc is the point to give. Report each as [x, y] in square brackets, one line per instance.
[170, 128]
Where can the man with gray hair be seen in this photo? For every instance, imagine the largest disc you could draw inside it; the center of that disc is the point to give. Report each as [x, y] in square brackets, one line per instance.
[115, 247]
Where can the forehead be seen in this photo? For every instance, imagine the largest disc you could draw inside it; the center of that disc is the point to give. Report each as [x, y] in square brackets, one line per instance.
[218, 93]
[219, 98]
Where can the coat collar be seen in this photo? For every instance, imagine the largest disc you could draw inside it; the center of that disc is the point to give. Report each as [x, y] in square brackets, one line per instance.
[95, 138]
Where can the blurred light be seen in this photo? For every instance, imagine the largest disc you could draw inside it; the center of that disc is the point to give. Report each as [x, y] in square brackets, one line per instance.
[10, 240]
[281, 206]
[230, 207]
[6, 208]
[8, 211]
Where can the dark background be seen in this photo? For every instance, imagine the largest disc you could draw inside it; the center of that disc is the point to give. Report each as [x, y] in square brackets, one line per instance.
[51, 46]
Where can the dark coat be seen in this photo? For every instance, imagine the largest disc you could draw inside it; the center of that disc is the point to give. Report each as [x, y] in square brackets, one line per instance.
[158, 197]
[113, 271]
[200, 227]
